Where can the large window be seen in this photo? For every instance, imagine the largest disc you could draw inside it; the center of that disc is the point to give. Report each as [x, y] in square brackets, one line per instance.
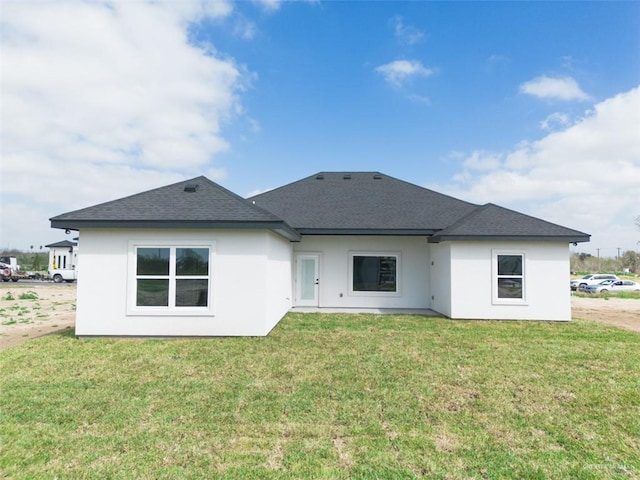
[509, 282]
[172, 278]
[374, 273]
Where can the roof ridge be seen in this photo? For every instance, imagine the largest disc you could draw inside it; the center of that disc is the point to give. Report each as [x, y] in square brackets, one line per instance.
[433, 191]
[465, 218]
[318, 174]
[529, 216]
[200, 178]
[133, 195]
[468, 226]
[246, 201]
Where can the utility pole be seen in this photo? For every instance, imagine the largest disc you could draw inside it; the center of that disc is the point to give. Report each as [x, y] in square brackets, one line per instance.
[619, 252]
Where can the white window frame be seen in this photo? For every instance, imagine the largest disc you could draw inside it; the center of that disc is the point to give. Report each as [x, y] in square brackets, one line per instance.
[494, 278]
[358, 293]
[171, 310]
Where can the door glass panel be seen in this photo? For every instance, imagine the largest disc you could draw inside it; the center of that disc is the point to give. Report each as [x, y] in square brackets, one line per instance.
[308, 278]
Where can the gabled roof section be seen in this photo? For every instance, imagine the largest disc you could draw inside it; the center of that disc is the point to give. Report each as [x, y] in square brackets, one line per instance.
[194, 203]
[62, 244]
[362, 203]
[492, 222]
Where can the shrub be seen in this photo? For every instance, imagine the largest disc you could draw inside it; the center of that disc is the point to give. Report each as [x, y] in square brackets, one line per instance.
[30, 295]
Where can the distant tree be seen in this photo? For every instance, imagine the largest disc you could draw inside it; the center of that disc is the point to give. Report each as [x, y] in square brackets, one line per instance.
[631, 260]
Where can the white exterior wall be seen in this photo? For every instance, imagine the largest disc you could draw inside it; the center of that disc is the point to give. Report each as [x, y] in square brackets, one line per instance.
[546, 290]
[243, 303]
[441, 278]
[279, 296]
[334, 270]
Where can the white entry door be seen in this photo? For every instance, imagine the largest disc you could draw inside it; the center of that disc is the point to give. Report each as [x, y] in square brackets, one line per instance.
[307, 280]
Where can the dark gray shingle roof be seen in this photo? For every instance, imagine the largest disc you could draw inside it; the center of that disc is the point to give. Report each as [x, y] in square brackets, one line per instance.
[325, 203]
[362, 202]
[492, 222]
[62, 244]
[209, 206]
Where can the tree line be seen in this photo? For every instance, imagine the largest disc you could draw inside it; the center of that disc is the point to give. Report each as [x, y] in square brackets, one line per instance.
[28, 261]
[629, 261]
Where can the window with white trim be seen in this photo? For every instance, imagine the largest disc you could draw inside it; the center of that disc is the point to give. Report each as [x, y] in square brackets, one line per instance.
[172, 278]
[509, 277]
[374, 273]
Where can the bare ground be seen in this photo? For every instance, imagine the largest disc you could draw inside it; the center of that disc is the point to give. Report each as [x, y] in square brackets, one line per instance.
[53, 310]
[50, 308]
[619, 312]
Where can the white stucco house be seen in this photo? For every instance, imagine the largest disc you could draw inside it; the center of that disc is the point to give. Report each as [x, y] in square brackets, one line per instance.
[194, 259]
[63, 257]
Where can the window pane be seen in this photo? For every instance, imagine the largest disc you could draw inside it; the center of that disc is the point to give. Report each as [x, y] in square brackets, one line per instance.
[192, 293]
[374, 274]
[152, 293]
[510, 287]
[152, 261]
[509, 264]
[192, 261]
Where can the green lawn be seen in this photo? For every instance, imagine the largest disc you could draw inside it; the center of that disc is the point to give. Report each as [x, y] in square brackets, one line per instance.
[328, 396]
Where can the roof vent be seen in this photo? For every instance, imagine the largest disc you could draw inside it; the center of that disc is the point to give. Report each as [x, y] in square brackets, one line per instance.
[347, 176]
[191, 187]
[377, 176]
[319, 177]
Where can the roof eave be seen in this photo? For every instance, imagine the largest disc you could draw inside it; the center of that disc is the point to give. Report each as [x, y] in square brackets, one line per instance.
[279, 227]
[367, 231]
[511, 238]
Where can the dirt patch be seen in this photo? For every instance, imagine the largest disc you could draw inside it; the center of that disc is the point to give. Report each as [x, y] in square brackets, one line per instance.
[619, 312]
[30, 310]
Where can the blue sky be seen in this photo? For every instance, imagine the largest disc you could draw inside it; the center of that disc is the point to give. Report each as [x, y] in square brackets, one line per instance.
[531, 105]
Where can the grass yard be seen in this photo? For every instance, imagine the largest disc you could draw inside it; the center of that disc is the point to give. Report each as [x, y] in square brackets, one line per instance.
[328, 396]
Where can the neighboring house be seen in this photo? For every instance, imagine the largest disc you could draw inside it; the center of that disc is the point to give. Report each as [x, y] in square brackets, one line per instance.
[195, 259]
[63, 257]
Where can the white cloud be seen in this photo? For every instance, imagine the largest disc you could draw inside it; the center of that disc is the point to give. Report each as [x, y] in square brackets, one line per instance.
[104, 99]
[482, 161]
[398, 72]
[420, 99]
[554, 121]
[585, 176]
[407, 34]
[269, 5]
[244, 29]
[258, 191]
[559, 88]
[495, 61]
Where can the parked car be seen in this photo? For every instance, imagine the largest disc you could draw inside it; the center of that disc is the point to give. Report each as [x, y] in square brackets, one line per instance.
[591, 279]
[613, 286]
